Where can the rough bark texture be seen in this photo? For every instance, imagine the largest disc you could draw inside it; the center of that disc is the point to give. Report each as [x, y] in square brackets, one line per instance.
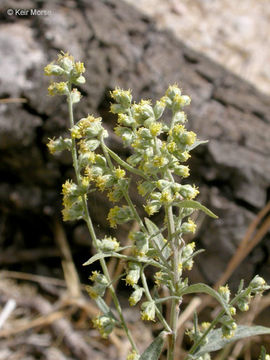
[121, 47]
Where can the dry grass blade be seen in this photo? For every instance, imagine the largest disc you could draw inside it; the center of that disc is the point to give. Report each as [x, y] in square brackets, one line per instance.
[12, 100]
[70, 272]
[43, 320]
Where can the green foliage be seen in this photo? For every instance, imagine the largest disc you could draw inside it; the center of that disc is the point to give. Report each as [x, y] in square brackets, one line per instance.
[160, 152]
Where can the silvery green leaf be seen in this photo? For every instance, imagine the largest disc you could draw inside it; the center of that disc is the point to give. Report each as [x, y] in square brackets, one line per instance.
[154, 349]
[216, 341]
[203, 288]
[158, 239]
[195, 205]
[96, 257]
[197, 143]
[104, 308]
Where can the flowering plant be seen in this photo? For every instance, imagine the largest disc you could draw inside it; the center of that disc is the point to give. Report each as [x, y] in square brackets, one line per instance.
[160, 152]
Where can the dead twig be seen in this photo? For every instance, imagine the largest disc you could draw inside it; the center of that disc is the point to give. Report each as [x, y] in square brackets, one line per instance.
[69, 269]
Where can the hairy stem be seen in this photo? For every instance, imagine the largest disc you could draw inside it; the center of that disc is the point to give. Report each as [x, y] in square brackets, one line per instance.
[174, 303]
[91, 229]
[149, 298]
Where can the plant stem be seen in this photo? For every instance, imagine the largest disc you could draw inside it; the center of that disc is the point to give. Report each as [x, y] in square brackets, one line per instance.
[174, 303]
[214, 323]
[91, 229]
[149, 298]
[107, 152]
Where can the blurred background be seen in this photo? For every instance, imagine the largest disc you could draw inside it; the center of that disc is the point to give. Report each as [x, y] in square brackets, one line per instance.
[218, 52]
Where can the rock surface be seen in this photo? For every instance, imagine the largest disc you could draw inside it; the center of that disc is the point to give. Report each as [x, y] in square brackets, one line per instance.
[121, 47]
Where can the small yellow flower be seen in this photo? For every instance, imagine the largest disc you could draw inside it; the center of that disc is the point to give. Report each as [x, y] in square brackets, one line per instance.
[148, 311]
[60, 88]
[79, 67]
[134, 356]
[67, 187]
[190, 138]
[94, 275]
[92, 292]
[113, 215]
[166, 196]
[101, 182]
[159, 161]
[51, 146]
[155, 129]
[225, 292]
[120, 173]
[150, 209]
[205, 325]
[172, 146]
[123, 97]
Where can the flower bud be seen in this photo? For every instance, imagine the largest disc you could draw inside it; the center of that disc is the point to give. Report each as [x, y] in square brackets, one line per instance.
[182, 156]
[52, 69]
[136, 296]
[60, 88]
[133, 274]
[119, 215]
[166, 196]
[163, 184]
[172, 91]
[257, 283]
[133, 356]
[117, 109]
[75, 211]
[224, 291]
[125, 133]
[66, 62]
[75, 96]
[143, 111]
[180, 117]
[108, 244]
[188, 138]
[228, 329]
[152, 207]
[59, 144]
[155, 129]
[188, 227]
[243, 303]
[125, 120]
[141, 243]
[159, 109]
[188, 192]
[181, 170]
[122, 97]
[79, 81]
[105, 325]
[148, 311]
[188, 250]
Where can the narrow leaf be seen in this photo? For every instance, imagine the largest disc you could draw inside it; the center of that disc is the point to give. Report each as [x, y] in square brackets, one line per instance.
[196, 205]
[158, 239]
[197, 143]
[154, 349]
[96, 257]
[202, 288]
[104, 308]
[216, 341]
